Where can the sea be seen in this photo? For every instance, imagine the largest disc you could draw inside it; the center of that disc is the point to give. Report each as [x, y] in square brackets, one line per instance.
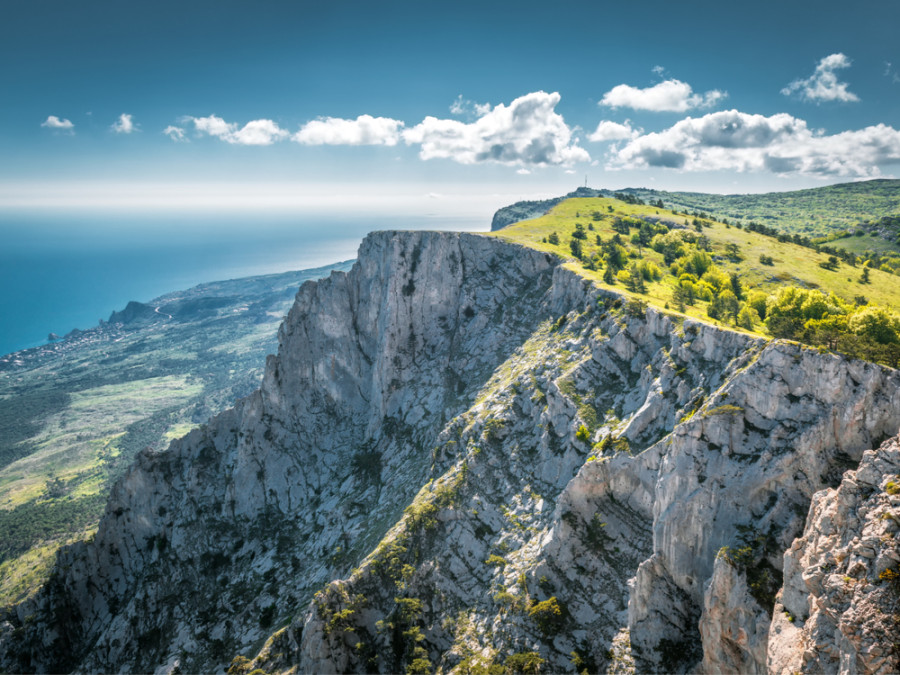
[62, 270]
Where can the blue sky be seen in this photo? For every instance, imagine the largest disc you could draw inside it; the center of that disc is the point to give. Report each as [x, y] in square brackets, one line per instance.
[300, 103]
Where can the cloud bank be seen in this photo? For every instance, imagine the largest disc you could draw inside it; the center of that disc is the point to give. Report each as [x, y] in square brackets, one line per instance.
[667, 96]
[527, 132]
[823, 84]
[781, 144]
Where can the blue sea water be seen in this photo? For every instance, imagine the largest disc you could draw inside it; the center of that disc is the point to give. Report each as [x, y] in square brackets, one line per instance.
[60, 271]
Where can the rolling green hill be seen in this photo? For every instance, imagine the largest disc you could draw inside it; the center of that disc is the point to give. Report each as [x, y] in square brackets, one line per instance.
[859, 217]
[813, 212]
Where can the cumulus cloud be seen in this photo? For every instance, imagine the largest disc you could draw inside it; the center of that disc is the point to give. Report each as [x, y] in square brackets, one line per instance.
[123, 125]
[175, 133]
[257, 132]
[528, 131]
[823, 84]
[780, 144]
[613, 131]
[53, 122]
[667, 96]
[364, 130]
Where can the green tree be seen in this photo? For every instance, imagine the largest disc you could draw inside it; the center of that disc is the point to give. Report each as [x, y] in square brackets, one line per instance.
[575, 247]
[747, 317]
[609, 275]
[757, 300]
[875, 324]
[636, 280]
[736, 286]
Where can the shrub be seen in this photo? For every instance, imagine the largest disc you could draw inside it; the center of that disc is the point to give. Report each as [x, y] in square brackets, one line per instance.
[583, 434]
[725, 410]
[526, 663]
[636, 308]
[548, 615]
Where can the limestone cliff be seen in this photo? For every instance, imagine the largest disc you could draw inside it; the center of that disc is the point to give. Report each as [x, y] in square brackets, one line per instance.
[465, 454]
[840, 608]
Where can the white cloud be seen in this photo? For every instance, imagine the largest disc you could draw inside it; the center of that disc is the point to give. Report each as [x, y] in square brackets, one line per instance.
[175, 133]
[523, 172]
[823, 84]
[469, 108]
[528, 131]
[667, 96]
[613, 131]
[779, 144]
[364, 130]
[891, 73]
[53, 122]
[124, 125]
[257, 132]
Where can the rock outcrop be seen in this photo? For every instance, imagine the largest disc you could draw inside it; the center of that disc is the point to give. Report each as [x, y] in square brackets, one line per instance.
[840, 607]
[465, 454]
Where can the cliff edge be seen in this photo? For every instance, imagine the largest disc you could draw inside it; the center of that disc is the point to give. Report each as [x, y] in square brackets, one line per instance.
[466, 455]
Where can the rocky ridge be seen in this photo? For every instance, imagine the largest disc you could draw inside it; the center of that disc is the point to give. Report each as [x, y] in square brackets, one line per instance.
[465, 454]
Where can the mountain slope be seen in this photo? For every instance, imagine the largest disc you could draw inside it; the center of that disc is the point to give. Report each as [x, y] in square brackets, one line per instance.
[869, 207]
[459, 458]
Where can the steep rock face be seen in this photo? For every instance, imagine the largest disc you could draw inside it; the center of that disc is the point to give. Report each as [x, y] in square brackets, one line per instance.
[206, 545]
[734, 627]
[465, 454]
[702, 439]
[840, 607]
[777, 432]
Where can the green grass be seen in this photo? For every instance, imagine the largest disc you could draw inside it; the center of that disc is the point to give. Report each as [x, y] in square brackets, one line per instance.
[866, 243]
[21, 576]
[794, 264]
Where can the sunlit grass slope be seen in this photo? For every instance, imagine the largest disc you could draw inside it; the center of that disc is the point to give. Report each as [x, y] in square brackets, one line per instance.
[792, 264]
